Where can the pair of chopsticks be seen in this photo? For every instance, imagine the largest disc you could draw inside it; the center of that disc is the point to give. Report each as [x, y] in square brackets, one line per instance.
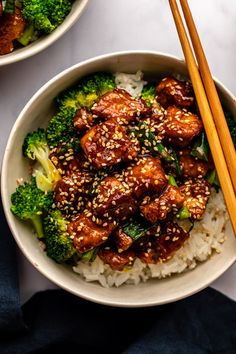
[218, 135]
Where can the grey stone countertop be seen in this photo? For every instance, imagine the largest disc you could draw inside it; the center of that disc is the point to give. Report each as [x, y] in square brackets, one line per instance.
[108, 26]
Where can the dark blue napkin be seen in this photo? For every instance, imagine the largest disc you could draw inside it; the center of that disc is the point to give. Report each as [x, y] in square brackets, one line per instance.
[10, 311]
[57, 322]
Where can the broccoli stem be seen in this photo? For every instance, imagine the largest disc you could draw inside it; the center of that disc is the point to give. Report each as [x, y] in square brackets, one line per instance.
[136, 229]
[172, 181]
[201, 148]
[212, 178]
[42, 157]
[37, 223]
[168, 156]
[42, 181]
[176, 163]
[183, 213]
[9, 7]
[163, 152]
[47, 165]
[148, 139]
[27, 35]
[90, 256]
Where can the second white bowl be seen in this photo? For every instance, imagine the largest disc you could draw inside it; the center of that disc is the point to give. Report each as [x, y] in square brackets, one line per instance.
[44, 41]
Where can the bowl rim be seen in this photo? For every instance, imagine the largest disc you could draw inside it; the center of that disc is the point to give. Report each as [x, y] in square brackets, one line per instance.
[3, 187]
[47, 40]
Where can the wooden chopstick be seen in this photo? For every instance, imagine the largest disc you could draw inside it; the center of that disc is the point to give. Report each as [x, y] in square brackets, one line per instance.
[207, 118]
[213, 98]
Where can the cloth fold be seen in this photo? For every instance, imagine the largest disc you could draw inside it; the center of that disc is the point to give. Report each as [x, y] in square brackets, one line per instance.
[55, 321]
[59, 322]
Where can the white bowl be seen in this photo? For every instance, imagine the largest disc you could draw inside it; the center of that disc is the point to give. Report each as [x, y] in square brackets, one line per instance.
[46, 40]
[36, 114]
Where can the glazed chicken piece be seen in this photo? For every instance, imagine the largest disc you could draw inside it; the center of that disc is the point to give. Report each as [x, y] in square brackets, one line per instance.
[71, 192]
[162, 243]
[114, 199]
[66, 160]
[192, 167]
[156, 117]
[87, 233]
[147, 175]
[83, 120]
[171, 91]
[196, 193]
[11, 27]
[119, 105]
[180, 127]
[122, 240]
[117, 261]
[158, 209]
[107, 144]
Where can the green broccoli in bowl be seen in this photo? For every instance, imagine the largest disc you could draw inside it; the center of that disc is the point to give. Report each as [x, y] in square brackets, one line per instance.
[46, 15]
[27, 20]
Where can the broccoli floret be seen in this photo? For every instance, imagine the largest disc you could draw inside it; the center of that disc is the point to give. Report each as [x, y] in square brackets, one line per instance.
[29, 203]
[87, 91]
[59, 246]
[46, 15]
[148, 94]
[27, 35]
[35, 147]
[9, 7]
[61, 130]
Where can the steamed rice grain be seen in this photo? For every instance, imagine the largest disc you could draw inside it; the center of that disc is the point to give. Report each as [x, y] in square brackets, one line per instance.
[132, 83]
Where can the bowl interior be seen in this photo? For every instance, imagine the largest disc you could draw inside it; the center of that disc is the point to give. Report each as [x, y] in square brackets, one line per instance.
[36, 114]
[46, 40]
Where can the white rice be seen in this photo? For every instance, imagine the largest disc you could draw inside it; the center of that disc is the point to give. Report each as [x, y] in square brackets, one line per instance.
[205, 239]
[132, 83]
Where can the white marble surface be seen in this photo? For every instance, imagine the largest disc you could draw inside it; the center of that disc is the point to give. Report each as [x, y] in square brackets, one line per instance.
[108, 26]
